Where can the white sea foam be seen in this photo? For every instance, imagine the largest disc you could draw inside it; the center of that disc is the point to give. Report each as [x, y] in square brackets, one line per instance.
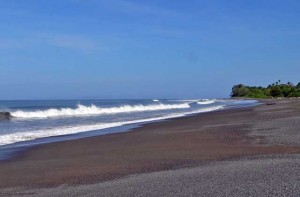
[31, 135]
[155, 100]
[244, 101]
[206, 101]
[185, 100]
[83, 110]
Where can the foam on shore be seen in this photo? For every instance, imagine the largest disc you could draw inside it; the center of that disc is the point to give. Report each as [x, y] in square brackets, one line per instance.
[31, 135]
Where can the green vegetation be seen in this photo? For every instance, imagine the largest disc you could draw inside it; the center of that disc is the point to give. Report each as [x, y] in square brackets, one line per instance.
[274, 90]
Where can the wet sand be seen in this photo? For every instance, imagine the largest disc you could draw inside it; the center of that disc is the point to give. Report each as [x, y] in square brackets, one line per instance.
[174, 144]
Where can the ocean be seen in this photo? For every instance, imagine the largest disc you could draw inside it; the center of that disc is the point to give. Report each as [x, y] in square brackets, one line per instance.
[38, 122]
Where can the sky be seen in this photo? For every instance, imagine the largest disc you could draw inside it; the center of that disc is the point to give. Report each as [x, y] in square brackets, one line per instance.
[112, 49]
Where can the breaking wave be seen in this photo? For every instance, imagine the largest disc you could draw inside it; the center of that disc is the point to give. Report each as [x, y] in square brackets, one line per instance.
[206, 102]
[83, 110]
[59, 131]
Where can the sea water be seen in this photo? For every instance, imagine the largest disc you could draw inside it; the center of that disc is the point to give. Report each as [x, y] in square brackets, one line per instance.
[37, 122]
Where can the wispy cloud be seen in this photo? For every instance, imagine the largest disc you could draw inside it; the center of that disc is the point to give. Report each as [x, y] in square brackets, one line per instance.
[70, 42]
[79, 43]
[10, 44]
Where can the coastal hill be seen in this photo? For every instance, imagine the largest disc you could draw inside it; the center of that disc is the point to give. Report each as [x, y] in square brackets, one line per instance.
[276, 89]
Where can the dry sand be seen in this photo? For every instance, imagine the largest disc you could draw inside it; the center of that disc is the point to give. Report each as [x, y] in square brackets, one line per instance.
[195, 146]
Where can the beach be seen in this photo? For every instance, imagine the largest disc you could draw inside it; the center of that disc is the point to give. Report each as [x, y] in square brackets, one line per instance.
[252, 147]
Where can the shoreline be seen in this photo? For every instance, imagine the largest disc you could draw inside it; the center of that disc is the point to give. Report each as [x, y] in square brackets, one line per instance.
[170, 144]
[12, 151]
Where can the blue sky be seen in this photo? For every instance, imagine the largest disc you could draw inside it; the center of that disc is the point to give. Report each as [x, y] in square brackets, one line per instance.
[62, 49]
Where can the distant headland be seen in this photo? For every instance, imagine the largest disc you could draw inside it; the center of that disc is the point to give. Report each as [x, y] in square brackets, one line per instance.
[276, 89]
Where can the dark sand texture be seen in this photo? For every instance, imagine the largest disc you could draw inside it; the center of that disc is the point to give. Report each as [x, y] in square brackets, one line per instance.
[257, 176]
[179, 143]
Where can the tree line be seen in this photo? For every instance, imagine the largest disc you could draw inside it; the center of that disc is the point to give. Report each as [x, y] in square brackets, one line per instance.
[276, 89]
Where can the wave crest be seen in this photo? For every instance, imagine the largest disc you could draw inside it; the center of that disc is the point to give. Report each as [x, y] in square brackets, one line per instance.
[83, 110]
[206, 101]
